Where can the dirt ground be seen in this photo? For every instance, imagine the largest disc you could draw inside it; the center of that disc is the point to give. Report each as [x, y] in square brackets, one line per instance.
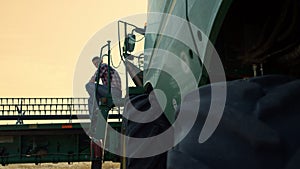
[80, 165]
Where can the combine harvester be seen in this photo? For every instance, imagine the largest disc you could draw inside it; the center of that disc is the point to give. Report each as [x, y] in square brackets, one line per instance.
[47, 130]
[53, 130]
[225, 79]
[219, 89]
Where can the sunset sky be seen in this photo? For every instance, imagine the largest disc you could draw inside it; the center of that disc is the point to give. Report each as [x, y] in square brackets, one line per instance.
[41, 40]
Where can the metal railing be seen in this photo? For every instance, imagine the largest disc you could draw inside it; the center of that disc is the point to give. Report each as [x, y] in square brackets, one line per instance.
[43, 106]
[20, 109]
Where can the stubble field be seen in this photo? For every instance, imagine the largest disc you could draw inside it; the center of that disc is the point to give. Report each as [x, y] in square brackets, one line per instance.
[81, 165]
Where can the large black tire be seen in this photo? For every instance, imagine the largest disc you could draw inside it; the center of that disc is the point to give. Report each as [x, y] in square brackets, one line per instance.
[144, 130]
[259, 128]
